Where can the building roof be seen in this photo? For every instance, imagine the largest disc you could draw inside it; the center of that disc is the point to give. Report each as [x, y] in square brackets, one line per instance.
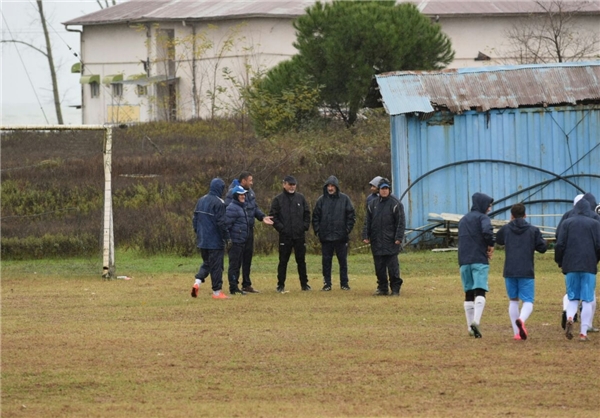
[485, 88]
[138, 11]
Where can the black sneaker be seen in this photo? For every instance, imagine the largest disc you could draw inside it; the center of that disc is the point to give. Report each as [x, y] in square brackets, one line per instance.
[380, 292]
[236, 292]
[280, 289]
[395, 293]
[306, 287]
[326, 288]
[345, 287]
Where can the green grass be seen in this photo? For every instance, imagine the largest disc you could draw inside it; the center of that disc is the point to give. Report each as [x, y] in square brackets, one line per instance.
[76, 345]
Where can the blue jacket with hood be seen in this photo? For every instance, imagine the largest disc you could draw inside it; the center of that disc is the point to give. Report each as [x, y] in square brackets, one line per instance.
[333, 217]
[238, 221]
[209, 218]
[577, 247]
[475, 232]
[252, 208]
[521, 240]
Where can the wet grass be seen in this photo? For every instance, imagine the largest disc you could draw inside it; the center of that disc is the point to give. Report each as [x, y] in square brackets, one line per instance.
[76, 345]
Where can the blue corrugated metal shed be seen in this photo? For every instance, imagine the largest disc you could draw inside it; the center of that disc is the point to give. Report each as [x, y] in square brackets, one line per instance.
[518, 133]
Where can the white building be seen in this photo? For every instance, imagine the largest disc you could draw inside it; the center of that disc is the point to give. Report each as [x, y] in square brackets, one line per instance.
[147, 60]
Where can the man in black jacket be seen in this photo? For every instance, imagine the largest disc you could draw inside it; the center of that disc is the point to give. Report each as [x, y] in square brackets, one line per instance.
[291, 218]
[333, 219]
[384, 230]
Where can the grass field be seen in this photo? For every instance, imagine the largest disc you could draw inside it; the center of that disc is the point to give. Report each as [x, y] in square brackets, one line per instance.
[74, 345]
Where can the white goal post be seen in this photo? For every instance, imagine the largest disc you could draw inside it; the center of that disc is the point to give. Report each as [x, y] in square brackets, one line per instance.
[108, 258]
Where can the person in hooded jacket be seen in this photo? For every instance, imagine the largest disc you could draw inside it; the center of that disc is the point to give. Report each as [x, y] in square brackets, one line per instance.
[385, 225]
[521, 240]
[595, 215]
[475, 248]
[238, 225]
[577, 253]
[333, 219]
[211, 237]
[245, 179]
[291, 218]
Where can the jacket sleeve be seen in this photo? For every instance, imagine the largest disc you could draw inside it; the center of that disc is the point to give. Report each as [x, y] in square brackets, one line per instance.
[559, 248]
[275, 212]
[259, 214]
[487, 230]
[350, 216]
[400, 228]
[500, 236]
[540, 243]
[367, 226]
[306, 214]
[222, 221]
[316, 216]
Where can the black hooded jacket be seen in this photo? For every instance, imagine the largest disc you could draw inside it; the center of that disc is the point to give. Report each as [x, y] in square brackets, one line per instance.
[521, 240]
[578, 244]
[385, 224]
[475, 232]
[333, 216]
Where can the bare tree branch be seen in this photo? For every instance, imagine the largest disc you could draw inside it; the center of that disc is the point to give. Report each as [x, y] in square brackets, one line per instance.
[24, 43]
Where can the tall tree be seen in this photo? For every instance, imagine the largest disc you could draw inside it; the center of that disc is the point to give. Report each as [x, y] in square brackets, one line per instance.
[341, 45]
[552, 34]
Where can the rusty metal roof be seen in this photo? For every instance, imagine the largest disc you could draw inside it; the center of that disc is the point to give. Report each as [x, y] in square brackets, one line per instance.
[485, 88]
[163, 10]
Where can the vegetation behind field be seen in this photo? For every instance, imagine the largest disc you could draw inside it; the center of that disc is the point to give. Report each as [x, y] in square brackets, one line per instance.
[53, 182]
[76, 345]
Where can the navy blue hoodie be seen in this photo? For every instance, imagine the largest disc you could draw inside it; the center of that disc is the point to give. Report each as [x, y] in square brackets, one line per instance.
[521, 240]
[578, 244]
[209, 218]
[475, 232]
[592, 201]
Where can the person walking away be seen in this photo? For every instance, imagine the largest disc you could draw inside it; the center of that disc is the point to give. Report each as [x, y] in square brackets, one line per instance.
[592, 200]
[291, 218]
[237, 226]
[577, 252]
[520, 240]
[246, 180]
[475, 249]
[333, 219]
[384, 230]
[211, 237]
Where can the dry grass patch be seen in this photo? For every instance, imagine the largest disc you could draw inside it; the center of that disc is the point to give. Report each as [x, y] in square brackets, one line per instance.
[75, 345]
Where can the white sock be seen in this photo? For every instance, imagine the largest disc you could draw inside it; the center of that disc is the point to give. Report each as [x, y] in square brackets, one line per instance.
[593, 312]
[479, 306]
[469, 313]
[198, 282]
[216, 292]
[526, 310]
[513, 314]
[565, 302]
[572, 309]
[586, 316]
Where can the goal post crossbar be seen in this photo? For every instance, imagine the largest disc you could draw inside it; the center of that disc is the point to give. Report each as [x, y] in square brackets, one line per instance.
[108, 250]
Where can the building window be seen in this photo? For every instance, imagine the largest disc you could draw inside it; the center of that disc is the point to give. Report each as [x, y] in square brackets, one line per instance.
[117, 90]
[95, 89]
[141, 90]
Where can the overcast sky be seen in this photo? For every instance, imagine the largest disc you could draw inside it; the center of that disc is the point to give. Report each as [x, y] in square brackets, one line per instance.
[25, 75]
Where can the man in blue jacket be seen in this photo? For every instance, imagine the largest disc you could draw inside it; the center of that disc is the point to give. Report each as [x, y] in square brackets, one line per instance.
[245, 180]
[211, 237]
[238, 226]
[475, 248]
[521, 240]
[577, 253]
[333, 219]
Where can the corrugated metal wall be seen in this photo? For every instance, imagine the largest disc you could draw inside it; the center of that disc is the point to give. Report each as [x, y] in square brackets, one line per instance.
[562, 141]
